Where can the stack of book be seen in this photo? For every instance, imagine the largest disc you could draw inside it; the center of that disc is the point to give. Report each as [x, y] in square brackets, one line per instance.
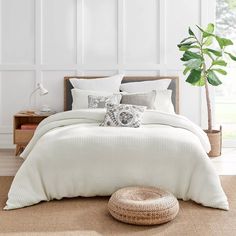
[29, 126]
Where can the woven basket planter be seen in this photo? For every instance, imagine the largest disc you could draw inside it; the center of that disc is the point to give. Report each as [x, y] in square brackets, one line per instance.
[215, 138]
[143, 206]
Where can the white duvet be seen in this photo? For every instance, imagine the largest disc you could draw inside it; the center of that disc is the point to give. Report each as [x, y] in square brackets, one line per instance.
[71, 155]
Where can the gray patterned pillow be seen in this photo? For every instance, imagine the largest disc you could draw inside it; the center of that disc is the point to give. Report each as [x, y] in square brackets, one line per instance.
[123, 115]
[101, 101]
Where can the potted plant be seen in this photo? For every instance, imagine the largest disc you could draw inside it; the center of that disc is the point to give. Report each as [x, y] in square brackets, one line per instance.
[204, 57]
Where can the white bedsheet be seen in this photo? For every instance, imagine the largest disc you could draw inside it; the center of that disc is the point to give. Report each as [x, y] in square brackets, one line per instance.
[71, 155]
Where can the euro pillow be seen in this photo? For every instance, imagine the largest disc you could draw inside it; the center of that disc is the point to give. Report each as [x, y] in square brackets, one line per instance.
[140, 99]
[145, 86]
[108, 84]
[123, 115]
[102, 101]
[80, 97]
[163, 102]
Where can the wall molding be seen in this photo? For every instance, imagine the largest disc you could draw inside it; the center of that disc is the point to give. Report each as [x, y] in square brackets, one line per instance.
[80, 67]
[162, 19]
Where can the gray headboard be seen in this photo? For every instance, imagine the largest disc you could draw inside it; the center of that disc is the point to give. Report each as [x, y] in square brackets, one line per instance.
[174, 86]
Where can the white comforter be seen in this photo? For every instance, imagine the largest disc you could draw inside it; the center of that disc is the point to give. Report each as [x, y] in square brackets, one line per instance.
[71, 155]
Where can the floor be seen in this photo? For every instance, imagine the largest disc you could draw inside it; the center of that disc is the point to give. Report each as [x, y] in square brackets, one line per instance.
[225, 164]
[83, 216]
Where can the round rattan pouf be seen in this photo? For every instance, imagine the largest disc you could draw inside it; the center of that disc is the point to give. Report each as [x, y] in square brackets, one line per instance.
[143, 206]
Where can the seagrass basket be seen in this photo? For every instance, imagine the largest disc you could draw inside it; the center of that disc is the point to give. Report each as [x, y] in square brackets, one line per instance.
[143, 206]
[215, 138]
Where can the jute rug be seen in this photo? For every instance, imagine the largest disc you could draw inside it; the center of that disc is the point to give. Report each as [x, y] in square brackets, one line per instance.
[89, 216]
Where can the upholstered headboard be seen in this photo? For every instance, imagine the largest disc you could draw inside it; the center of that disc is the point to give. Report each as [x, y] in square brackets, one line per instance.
[174, 86]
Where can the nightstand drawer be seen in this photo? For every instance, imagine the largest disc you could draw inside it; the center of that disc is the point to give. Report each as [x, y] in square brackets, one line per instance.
[24, 125]
[23, 136]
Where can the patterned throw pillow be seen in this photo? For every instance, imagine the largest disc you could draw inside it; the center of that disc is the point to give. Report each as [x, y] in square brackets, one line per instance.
[101, 101]
[123, 115]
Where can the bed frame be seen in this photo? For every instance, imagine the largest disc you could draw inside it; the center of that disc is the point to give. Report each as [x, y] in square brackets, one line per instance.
[174, 86]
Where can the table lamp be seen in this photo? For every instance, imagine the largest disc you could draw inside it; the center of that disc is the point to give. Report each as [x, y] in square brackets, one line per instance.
[42, 92]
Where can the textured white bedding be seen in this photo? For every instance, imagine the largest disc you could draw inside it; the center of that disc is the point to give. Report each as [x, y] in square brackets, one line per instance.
[71, 155]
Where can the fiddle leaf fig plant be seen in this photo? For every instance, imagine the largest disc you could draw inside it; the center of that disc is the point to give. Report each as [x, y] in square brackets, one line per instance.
[205, 57]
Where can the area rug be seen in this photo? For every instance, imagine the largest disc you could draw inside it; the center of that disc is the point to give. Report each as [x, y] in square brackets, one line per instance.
[89, 216]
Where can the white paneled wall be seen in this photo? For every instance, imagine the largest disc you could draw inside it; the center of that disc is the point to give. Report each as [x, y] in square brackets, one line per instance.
[58, 32]
[100, 32]
[44, 40]
[141, 43]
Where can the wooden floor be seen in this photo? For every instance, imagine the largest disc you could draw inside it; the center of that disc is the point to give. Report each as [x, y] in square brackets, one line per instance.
[225, 164]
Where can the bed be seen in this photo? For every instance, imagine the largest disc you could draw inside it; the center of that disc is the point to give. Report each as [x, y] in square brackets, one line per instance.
[71, 155]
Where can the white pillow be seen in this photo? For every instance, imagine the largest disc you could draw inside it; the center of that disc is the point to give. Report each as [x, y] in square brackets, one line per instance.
[80, 97]
[145, 86]
[108, 84]
[163, 101]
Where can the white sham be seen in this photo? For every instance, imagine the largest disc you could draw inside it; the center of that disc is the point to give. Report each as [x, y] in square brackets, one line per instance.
[108, 84]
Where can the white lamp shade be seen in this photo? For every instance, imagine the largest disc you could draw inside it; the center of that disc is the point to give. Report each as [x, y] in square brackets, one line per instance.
[42, 90]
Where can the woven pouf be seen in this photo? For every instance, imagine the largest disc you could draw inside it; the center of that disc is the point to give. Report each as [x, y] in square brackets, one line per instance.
[143, 206]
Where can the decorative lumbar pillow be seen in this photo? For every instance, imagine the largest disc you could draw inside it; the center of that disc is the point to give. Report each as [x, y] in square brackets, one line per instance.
[108, 84]
[145, 86]
[80, 97]
[140, 99]
[123, 115]
[102, 101]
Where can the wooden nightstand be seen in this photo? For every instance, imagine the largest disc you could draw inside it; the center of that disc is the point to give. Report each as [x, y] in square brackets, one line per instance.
[21, 137]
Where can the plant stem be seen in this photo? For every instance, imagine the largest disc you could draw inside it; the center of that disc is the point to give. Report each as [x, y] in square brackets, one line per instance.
[208, 107]
[208, 101]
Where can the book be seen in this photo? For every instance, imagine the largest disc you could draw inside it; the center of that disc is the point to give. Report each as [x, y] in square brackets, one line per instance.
[29, 126]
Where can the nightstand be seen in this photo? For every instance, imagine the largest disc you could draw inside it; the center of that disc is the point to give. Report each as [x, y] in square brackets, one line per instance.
[24, 125]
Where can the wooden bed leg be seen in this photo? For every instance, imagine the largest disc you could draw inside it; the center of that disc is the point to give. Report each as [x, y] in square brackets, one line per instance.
[17, 151]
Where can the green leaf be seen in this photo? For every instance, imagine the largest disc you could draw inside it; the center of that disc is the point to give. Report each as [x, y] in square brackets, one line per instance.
[209, 41]
[190, 55]
[184, 40]
[193, 63]
[187, 47]
[231, 56]
[200, 28]
[194, 76]
[184, 48]
[209, 31]
[190, 32]
[213, 79]
[205, 51]
[201, 82]
[223, 42]
[210, 28]
[223, 72]
[205, 34]
[186, 70]
[219, 63]
[185, 44]
[216, 53]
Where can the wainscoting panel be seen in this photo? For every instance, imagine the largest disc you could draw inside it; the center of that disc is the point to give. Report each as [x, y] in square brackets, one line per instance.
[99, 73]
[59, 32]
[17, 31]
[177, 24]
[100, 32]
[16, 87]
[142, 31]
